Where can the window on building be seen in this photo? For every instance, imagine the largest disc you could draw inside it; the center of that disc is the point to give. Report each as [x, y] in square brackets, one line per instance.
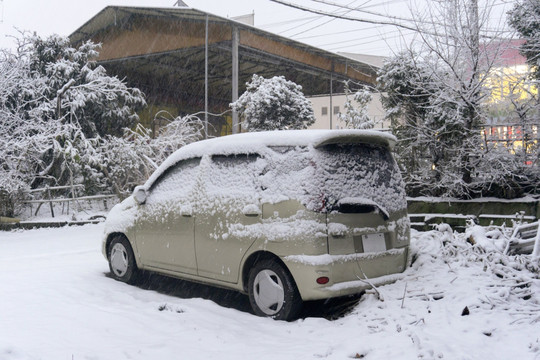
[336, 109]
[324, 111]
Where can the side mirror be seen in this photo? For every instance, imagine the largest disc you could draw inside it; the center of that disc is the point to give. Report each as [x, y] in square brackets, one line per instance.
[139, 194]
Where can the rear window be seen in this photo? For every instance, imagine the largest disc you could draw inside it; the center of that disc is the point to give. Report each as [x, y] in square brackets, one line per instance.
[334, 177]
[361, 173]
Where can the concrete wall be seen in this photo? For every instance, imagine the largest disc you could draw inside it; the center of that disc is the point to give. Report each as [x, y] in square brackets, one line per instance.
[321, 108]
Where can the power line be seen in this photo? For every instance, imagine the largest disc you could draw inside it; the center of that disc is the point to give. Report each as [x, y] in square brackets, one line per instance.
[319, 17]
[325, 13]
[363, 38]
[359, 9]
[326, 22]
[341, 32]
[288, 21]
[356, 44]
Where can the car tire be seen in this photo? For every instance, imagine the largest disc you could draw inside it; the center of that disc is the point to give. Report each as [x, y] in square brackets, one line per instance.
[122, 261]
[272, 291]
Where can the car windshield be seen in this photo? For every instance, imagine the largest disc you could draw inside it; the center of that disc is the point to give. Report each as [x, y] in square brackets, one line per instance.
[337, 177]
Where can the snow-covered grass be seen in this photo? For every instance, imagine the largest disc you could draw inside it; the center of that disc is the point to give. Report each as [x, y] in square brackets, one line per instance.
[57, 302]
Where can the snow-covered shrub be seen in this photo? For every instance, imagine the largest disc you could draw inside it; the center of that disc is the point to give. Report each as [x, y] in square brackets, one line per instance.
[274, 104]
[178, 132]
[128, 161]
[437, 146]
[355, 114]
[438, 95]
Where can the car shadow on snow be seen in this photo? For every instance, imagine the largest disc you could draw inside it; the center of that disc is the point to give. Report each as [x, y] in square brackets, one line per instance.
[329, 309]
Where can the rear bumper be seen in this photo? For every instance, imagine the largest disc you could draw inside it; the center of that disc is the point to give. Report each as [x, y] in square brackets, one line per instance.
[348, 274]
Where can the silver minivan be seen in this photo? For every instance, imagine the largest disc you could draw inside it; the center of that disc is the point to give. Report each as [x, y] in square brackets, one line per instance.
[284, 216]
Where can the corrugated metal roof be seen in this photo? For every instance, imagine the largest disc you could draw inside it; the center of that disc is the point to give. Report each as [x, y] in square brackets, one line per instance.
[113, 15]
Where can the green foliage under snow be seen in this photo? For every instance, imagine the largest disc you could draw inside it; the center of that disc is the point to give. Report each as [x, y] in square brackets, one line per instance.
[274, 104]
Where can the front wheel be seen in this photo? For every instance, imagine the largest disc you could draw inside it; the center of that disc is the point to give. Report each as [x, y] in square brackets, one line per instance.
[272, 291]
[122, 261]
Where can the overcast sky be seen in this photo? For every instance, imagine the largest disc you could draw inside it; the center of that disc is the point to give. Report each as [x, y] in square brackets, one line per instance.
[65, 16]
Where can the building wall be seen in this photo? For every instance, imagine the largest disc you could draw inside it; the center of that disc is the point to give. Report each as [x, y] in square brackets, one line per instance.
[321, 108]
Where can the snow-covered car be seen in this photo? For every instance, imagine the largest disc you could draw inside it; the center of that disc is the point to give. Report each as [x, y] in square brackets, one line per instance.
[284, 216]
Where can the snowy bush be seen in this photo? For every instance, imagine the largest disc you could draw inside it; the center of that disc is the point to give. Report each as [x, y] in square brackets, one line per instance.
[355, 114]
[178, 132]
[79, 91]
[274, 104]
[121, 163]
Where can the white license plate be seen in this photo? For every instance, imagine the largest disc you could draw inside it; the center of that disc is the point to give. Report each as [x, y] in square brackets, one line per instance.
[373, 242]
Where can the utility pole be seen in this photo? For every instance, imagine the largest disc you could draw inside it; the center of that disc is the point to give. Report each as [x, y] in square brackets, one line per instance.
[235, 42]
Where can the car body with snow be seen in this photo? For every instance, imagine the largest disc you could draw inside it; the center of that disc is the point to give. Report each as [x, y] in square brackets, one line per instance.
[284, 216]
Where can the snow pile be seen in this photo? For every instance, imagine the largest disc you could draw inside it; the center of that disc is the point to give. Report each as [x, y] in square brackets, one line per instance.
[513, 279]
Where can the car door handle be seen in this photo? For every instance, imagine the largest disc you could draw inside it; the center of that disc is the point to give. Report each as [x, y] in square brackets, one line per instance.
[251, 210]
[186, 212]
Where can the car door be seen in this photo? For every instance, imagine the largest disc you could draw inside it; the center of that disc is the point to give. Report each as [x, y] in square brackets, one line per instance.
[165, 227]
[228, 214]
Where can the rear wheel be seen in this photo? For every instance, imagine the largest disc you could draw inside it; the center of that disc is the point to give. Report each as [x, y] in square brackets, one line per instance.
[122, 261]
[272, 291]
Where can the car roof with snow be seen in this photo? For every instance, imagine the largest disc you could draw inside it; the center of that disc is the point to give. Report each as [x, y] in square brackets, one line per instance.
[256, 142]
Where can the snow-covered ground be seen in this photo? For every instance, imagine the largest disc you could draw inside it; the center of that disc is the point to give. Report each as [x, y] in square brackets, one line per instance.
[57, 302]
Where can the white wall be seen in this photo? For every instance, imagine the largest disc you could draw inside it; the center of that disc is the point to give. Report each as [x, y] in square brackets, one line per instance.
[319, 102]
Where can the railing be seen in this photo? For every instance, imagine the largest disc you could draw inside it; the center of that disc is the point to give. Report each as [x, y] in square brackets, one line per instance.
[73, 199]
[525, 240]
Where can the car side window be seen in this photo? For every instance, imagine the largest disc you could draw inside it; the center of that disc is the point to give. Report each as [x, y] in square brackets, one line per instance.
[234, 177]
[176, 183]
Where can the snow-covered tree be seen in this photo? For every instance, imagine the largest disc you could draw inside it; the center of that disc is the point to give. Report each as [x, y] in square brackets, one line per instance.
[430, 127]
[525, 18]
[78, 90]
[57, 109]
[355, 114]
[436, 95]
[276, 103]
[63, 120]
